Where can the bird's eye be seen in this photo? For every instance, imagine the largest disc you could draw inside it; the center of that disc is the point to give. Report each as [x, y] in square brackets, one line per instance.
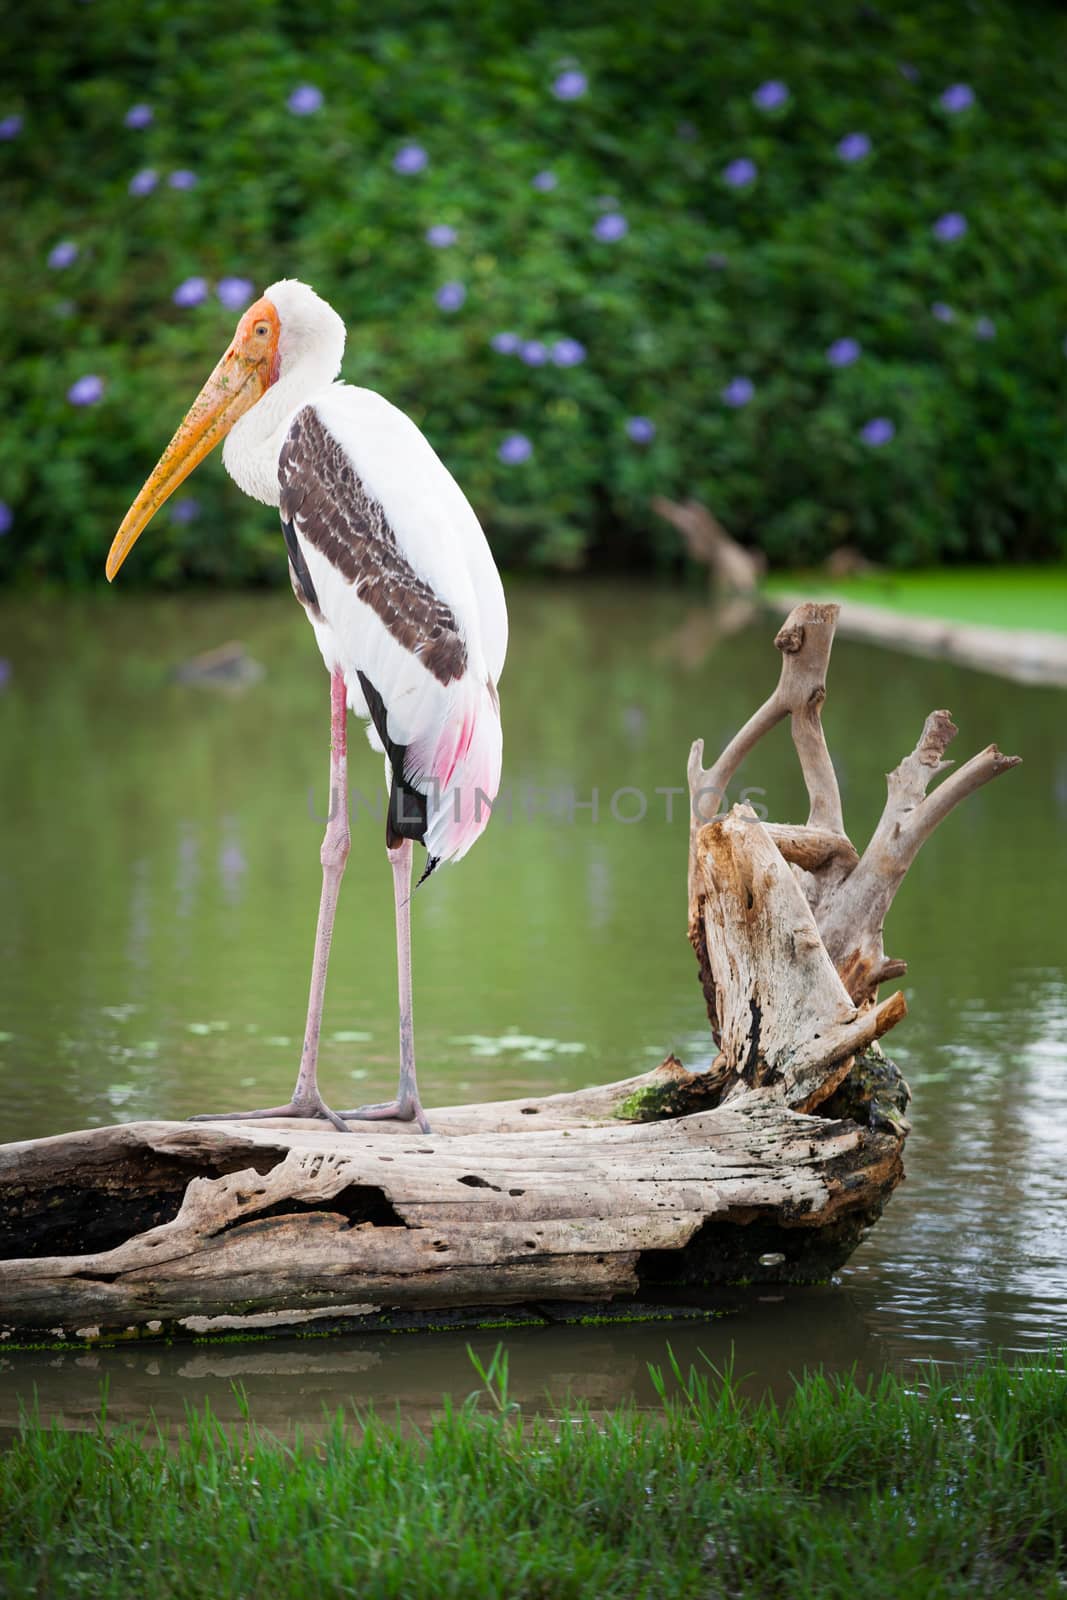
[262, 330]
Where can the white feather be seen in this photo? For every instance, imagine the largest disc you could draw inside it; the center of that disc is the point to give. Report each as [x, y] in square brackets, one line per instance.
[452, 731]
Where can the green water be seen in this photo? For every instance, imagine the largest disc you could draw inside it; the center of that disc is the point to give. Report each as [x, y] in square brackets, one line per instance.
[159, 883]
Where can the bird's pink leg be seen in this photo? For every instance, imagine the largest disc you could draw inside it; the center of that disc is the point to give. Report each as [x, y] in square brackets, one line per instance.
[407, 1106]
[307, 1101]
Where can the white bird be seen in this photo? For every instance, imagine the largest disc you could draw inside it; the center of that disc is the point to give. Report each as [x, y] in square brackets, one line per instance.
[392, 567]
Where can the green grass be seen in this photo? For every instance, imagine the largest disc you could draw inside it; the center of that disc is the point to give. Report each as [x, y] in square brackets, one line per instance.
[915, 1492]
[1001, 597]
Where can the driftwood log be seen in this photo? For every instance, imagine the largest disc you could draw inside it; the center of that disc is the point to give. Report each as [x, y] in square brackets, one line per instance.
[769, 1166]
[732, 569]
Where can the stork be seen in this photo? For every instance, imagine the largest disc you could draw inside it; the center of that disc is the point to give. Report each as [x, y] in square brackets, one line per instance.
[392, 567]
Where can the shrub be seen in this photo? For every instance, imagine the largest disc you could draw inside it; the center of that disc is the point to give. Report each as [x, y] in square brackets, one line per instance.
[817, 248]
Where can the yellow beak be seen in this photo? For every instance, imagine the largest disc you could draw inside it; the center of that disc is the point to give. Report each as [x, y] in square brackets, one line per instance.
[232, 389]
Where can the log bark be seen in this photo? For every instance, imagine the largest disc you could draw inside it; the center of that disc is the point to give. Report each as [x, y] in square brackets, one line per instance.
[786, 920]
[769, 1166]
[168, 1229]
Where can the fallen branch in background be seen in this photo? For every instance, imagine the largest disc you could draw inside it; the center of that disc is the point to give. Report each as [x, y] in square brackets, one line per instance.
[734, 570]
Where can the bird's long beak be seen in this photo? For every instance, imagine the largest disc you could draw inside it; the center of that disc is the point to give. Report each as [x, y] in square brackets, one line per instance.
[240, 379]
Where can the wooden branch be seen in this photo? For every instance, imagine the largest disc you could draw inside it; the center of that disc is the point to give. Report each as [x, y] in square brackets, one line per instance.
[805, 640]
[171, 1229]
[852, 917]
[786, 921]
[812, 848]
[732, 567]
[785, 1018]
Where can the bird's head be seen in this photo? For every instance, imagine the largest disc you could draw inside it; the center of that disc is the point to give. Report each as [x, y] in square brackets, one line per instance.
[289, 327]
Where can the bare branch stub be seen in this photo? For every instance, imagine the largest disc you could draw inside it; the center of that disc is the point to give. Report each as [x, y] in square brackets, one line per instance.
[733, 569]
[814, 909]
[804, 640]
[852, 917]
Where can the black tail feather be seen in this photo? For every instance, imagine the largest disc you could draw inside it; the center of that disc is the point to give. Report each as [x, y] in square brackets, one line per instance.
[432, 862]
[405, 816]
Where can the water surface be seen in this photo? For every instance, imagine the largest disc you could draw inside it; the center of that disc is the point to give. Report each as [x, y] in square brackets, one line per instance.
[159, 883]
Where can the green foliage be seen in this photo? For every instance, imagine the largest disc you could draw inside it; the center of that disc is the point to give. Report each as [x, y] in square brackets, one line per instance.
[710, 283]
[936, 1490]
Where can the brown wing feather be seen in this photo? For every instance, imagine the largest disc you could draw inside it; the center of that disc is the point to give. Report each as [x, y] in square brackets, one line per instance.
[342, 520]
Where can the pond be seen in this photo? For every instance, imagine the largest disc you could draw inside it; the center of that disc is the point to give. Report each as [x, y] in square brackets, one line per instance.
[159, 880]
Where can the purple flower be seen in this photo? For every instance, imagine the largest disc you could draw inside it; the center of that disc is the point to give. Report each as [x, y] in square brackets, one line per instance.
[738, 392]
[957, 97]
[5, 672]
[568, 353]
[854, 147]
[941, 312]
[139, 116]
[305, 100]
[235, 293]
[953, 225]
[506, 344]
[190, 292]
[642, 430]
[985, 328]
[7, 518]
[906, 70]
[183, 179]
[770, 95]
[185, 510]
[144, 182]
[441, 235]
[63, 254]
[515, 449]
[86, 391]
[843, 352]
[717, 261]
[450, 296]
[533, 353]
[740, 173]
[611, 226]
[10, 127]
[570, 85]
[878, 431]
[544, 181]
[410, 158]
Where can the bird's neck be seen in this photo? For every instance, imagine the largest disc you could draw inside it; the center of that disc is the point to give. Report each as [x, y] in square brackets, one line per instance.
[253, 445]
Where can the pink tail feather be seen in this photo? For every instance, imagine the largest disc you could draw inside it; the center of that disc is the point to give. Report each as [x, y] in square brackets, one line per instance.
[460, 774]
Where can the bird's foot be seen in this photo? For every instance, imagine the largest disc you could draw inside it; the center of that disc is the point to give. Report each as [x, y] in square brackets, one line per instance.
[305, 1105]
[404, 1109]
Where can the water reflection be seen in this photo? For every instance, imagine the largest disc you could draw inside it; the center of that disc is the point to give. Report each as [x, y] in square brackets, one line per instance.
[297, 1382]
[154, 950]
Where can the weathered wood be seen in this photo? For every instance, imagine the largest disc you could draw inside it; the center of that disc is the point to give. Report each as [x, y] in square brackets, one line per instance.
[786, 921]
[1025, 655]
[769, 1166]
[733, 569]
[785, 1018]
[236, 1220]
[856, 909]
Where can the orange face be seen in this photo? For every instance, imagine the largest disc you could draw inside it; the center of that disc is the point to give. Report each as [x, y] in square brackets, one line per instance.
[256, 339]
[242, 377]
